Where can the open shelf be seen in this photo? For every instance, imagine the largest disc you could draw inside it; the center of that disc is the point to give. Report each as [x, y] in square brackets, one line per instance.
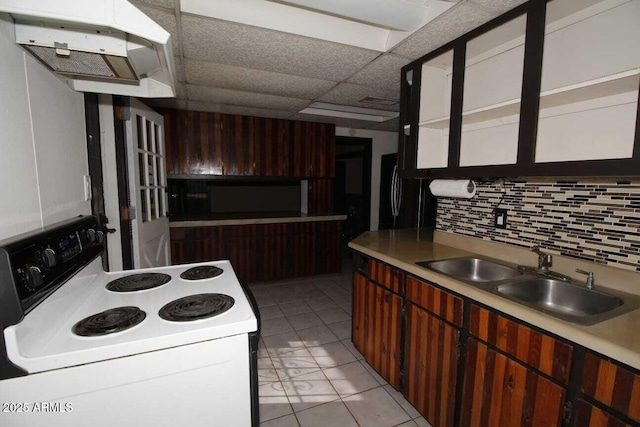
[615, 84]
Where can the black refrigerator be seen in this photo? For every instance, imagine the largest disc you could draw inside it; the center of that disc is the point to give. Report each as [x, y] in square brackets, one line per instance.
[414, 208]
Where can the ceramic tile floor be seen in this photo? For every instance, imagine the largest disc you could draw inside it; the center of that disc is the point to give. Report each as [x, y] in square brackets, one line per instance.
[309, 372]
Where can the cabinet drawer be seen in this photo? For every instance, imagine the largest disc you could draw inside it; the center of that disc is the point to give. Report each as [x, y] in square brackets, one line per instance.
[387, 276]
[611, 384]
[540, 351]
[498, 391]
[435, 300]
[589, 416]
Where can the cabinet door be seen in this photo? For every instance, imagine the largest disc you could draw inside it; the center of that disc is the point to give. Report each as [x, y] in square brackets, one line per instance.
[377, 319]
[387, 276]
[271, 147]
[383, 335]
[589, 90]
[613, 385]
[329, 259]
[587, 415]
[300, 150]
[237, 145]
[430, 366]
[525, 398]
[274, 251]
[304, 244]
[193, 143]
[323, 142]
[243, 252]
[540, 351]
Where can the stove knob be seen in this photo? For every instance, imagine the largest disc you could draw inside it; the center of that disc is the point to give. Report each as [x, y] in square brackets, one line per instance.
[34, 277]
[100, 236]
[49, 258]
[91, 235]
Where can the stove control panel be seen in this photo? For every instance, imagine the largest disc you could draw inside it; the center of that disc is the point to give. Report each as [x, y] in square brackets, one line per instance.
[38, 263]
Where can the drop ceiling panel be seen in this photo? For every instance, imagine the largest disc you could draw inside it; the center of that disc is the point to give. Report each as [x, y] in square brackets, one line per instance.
[238, 110]
[452, 24]
[383, 72]
[499, 6]
[244, 46]
[250, 80]
[168, 4]
[351, 94]
[338, 121]
[388, 126]
[246, 99]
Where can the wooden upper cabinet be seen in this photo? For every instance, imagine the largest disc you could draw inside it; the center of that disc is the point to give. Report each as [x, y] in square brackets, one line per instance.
[193, 142]
[548, 88]
[271, 146]
[203, 143]
[238, 145]
[590, 79]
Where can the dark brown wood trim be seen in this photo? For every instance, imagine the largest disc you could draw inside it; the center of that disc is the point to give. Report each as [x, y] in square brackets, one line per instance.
[120, 105]
[457, 101]
[531, 81]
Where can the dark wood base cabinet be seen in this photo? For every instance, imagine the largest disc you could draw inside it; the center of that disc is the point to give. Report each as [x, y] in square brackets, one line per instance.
[376, 327]
[465, 364]
[263, 252]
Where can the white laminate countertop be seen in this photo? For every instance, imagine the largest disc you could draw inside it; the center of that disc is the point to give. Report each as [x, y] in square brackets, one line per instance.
[616, 338]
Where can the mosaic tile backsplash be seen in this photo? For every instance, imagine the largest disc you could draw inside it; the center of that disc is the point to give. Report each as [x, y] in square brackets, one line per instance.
[595, 220]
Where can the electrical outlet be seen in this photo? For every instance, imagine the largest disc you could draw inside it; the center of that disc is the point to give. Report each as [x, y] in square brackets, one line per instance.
[500, 220]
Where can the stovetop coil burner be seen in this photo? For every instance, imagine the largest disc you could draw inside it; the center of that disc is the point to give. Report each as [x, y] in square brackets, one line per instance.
[138, 282]
[109, 321]
[194, 307]
[201, 272]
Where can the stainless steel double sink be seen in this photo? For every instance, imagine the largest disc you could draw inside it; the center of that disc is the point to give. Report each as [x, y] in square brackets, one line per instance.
[570, 301]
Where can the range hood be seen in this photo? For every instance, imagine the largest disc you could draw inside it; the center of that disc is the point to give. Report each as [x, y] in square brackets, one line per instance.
[101, 46]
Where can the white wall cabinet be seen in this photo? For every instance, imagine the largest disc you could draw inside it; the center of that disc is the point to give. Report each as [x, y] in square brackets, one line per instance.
[549, 88]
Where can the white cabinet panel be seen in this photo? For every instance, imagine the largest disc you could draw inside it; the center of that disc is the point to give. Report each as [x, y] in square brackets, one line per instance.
[481, 146]
[20, 206]
[60, 144]
[589, 133]
[591, 46]
[433, 148]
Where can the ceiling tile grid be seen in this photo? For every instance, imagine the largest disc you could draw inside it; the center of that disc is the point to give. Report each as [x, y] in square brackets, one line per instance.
[236, 68]
[243, 46]
[383, 72]
[251, 80]
[452, 24]
[245, 99]
[351, 94]
[237, 110]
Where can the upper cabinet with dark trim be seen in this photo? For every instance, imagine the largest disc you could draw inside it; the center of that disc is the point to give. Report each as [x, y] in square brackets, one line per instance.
[549, 88]
[200, 144]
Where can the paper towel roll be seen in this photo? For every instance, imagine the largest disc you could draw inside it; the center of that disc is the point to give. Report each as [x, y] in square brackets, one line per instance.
[461, 188]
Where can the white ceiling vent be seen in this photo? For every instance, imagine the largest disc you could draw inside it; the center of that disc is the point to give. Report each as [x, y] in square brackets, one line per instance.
[102, 46]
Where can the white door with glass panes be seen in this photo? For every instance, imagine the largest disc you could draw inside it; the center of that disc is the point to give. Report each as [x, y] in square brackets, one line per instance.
[148, 184]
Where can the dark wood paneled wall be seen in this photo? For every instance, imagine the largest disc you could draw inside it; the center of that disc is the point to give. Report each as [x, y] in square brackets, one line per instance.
[263, 252]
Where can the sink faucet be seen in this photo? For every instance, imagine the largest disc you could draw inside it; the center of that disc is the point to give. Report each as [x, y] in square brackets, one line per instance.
[544, 260]
[590, 279]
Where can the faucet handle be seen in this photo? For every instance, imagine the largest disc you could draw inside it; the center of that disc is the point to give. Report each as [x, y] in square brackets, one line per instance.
[590, 278]
[544, 260]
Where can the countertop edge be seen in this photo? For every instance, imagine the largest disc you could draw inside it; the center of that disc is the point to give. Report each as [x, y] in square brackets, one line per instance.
[568, 331]
[253, 221]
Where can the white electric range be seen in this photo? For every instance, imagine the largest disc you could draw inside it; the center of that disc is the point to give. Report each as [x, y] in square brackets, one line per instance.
[162, 346]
